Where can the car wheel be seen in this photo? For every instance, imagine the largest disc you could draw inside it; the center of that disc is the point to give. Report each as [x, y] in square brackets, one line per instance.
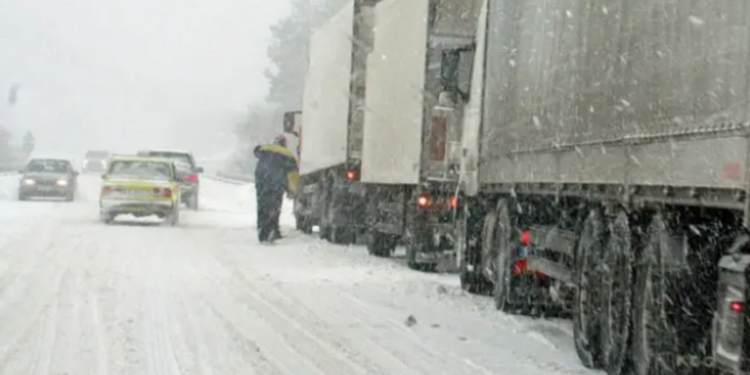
[174, 218]
[192, 202]
[22, 197]
[106, 217]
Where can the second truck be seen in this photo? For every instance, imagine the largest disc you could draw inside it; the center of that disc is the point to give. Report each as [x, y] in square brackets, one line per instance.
[378, 159]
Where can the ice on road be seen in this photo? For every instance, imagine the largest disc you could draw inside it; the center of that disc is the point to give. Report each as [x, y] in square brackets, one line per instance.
[78, 297]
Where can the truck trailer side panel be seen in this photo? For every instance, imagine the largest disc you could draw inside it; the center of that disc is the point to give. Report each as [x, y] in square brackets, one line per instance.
[326, 99]
[394, 100]
[472, 114]
[644, 92]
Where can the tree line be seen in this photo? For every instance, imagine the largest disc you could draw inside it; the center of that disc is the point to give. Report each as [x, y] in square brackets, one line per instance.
[288, 53]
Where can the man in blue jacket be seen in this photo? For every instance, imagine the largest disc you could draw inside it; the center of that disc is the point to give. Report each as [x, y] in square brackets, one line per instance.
[275, 174]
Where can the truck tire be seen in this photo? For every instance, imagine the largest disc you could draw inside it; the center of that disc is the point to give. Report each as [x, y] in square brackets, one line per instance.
[419, 241]
[586, 300]
[653, 337]
[303, 224]
[380, 244]
[499, 226]
[472, 280]
[616, 295]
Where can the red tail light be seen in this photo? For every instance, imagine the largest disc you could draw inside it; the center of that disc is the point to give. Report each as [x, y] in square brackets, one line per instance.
[423, 201]
[525, 238]
[454, 201]
[351, 175]
[520, 266]
[109, 189]
[736, 306]
[167, 192]
[192, 178]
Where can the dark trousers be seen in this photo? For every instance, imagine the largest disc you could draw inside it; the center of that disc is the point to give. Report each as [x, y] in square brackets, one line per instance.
[269, 202]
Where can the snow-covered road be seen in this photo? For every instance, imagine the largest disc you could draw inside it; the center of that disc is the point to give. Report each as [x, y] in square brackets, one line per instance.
[78, 297]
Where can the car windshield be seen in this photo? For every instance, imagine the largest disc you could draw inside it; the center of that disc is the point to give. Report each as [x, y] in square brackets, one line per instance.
[140, 169]
[48, 166]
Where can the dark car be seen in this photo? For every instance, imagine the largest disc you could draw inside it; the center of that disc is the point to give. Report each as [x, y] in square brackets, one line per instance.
[48, 178]
[187, 173]
[95, 161]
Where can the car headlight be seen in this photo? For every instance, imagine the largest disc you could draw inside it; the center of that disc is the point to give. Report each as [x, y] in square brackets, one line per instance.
[29, 181]
[62, 183]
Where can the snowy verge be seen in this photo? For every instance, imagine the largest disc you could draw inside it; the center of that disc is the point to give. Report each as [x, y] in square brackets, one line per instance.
[224, 179]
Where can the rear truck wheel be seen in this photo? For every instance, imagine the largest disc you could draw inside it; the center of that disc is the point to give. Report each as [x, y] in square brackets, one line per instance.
[653, 337]
[499, 228]
[616, 295]
[469, 269]
[420, 241]
[380, 244]
[303, 224]
[329, 230]
[586, 299]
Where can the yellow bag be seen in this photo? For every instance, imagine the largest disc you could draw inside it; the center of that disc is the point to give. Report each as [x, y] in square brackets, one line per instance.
[292, 181]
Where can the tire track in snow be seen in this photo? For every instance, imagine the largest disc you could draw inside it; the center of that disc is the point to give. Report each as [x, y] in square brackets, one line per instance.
[269, 353]
[533, 363]
[30, 325]
[307, 335]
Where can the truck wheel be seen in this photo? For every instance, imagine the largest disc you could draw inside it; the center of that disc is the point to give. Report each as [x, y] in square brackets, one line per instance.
[616, 295]
[339, 235]
[380, 244]
[419, 241]
[586, 300]
[500, 227]
[303, 224]
[472, 280]
[653, 337]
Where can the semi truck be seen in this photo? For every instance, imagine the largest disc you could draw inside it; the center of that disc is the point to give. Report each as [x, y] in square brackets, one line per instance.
[604, 172]
[329, 126]
[398, 153]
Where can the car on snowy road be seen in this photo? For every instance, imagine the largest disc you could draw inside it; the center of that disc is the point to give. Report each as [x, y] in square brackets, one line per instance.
[140, 186]
[48, 177]
[187, 173]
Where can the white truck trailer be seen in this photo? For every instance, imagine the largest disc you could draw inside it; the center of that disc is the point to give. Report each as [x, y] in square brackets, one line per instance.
[375, 154]
[604, 171]
[329, 127]
[411, 149]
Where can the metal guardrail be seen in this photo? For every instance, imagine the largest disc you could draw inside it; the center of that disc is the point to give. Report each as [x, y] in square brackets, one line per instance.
[231, 178]
[238, 177]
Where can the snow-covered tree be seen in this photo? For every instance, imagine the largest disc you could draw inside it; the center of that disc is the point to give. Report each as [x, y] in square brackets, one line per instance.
[288, 50]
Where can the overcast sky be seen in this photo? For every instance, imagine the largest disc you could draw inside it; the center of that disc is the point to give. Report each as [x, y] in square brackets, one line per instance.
[122, 73]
